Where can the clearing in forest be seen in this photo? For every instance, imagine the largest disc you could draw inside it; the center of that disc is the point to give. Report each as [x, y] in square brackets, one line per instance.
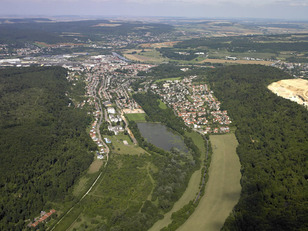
[95, 166]
[222, 190]
[138, 117]
[237, 61]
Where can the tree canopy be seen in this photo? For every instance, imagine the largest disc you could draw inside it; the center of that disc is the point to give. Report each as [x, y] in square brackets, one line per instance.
[273, 144]
[44, 146]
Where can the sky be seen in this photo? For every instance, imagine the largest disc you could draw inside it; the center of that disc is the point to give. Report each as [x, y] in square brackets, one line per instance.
[272, 9]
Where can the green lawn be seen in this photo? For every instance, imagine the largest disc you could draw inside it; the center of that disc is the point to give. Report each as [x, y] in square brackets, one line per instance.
[138, 117]
[153, 54]
[223, 188]
[162, 105]
[118, 147]
[171, 79]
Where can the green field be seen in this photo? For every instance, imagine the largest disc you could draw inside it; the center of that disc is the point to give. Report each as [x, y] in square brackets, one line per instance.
[222, 190]
[138, 117]
[170, 79]
[122, 190]
[148, 56]
[118, 147]
[162, 105]
[191, 190]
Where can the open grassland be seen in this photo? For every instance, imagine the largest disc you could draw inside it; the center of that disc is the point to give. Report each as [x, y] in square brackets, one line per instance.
[149, 55]
[191, 190]
[118, 147]
[236, 61]
[162, 105]
[293, 89]
[159, 45]
[222, 190]
[123, 189]
[170, 79]
[138, 117]
[95, 166]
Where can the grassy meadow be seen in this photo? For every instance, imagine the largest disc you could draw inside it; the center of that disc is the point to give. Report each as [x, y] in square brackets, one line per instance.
[222, 190]
[162, 105]
[138, 117]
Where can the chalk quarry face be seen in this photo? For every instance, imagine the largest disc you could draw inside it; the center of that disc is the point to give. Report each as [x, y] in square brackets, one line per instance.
[293, 89]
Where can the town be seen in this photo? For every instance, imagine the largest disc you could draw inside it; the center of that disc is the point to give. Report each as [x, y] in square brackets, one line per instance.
[195, 104]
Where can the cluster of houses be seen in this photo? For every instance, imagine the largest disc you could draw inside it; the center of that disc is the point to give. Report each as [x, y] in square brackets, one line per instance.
[42, 218]
[115, 65]
[94, 136]
[114, 118]
[195, 104]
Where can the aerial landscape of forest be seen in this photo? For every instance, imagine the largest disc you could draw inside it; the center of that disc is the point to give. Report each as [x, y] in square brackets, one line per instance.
[191, 118]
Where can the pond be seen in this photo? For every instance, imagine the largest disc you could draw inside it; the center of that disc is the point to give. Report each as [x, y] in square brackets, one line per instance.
[161, 136]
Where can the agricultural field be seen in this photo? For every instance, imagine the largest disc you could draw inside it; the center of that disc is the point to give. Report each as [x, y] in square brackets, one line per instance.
[236, 61]
[158, 45]
[222, 190]
[147, 55]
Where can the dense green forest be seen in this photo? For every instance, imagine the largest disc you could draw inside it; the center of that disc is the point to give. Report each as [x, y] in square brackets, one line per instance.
[174, 54]
[248, 43]
[273, 145]
[44, 146]
[169, 70]
[55, 32]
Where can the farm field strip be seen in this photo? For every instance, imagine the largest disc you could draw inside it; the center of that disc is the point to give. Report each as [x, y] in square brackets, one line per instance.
[223, 188]
[236, 61]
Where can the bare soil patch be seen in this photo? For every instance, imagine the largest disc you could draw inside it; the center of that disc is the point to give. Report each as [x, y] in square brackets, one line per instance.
[95, 166]
[292, 89]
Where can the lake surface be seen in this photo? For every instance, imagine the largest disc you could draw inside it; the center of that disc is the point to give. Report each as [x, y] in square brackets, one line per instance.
[162, 137]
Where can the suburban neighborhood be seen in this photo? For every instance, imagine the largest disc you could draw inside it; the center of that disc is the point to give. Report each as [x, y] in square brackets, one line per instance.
[195, 104]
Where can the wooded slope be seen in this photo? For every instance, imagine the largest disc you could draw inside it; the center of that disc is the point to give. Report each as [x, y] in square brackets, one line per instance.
[273, 145]
[44, 146]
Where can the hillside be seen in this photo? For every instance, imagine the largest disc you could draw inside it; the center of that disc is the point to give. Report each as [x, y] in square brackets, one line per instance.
[43, 142]
[273, 144]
